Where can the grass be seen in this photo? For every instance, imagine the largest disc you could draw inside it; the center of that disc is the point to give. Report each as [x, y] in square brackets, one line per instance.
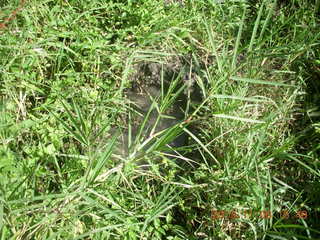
[250, 169]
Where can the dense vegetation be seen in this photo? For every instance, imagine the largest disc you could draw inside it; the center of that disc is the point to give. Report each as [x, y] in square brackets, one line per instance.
[250, 169]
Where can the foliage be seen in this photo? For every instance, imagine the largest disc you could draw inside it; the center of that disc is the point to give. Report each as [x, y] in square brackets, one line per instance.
[253, 131]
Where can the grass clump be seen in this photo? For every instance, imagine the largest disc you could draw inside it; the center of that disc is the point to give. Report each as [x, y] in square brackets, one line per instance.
[243, 73]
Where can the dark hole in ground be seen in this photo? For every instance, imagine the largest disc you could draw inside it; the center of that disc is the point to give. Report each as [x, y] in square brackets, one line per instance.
[148, 82]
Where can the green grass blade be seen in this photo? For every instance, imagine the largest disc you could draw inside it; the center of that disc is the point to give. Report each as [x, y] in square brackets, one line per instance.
[101, 161]
[316, 173]
[266, 22]
[246, 99]
[237, 43]
[213, 45]
[248, 120]
[255, 28]
[83, 129]
[75, 134]
[256, 81]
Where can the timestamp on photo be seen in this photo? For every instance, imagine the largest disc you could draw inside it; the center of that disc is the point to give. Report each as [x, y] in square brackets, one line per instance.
[263, 214]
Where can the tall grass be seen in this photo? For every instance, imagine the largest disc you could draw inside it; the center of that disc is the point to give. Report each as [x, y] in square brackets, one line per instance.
[250, 169]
